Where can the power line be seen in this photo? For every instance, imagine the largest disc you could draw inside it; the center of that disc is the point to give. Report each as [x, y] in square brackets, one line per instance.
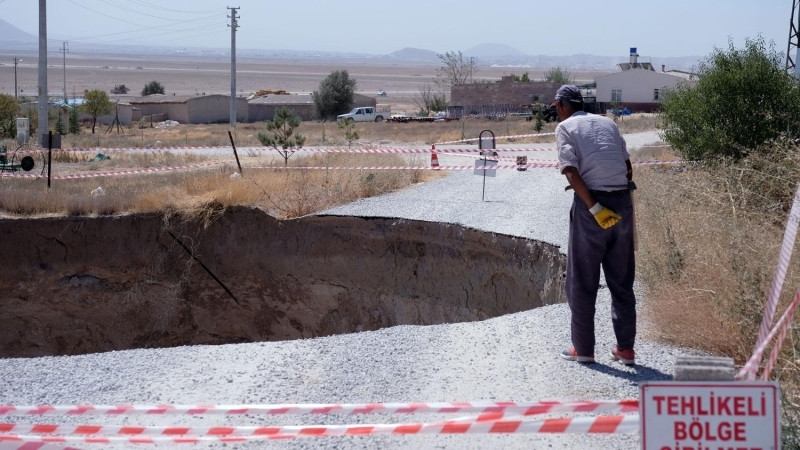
[137, 11]
[167, 28]
[234, 26]
[162, 8]
[151, 35]
[142, 27]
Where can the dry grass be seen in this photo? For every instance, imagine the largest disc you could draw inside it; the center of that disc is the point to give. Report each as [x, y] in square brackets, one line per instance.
[284, 193]
[327, 133]
[709, 240]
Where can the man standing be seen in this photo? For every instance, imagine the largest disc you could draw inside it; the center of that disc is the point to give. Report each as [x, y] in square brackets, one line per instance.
[593, 156]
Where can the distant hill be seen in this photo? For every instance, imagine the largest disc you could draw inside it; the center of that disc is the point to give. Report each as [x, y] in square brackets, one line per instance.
[9, 34]
[414, 54]
[492, 51]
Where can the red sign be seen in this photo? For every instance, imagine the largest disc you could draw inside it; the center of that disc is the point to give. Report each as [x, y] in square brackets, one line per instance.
[710, 415]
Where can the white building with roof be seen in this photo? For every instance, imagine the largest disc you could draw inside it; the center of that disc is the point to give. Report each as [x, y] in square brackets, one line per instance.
[637, 86]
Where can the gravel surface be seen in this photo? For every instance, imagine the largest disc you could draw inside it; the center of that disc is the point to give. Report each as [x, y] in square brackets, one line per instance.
[508, 358]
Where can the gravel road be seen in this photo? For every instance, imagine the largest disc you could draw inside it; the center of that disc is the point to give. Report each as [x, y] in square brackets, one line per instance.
[508, 358]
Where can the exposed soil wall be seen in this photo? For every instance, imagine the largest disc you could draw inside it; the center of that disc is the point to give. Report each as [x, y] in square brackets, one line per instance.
[80, 285]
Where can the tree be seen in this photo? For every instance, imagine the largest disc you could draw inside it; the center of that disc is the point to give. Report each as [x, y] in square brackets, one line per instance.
[283, 138]
[60, 127]
[96, 103]
[429, 100]
[525, 78]
[336, 95]
[559, 75]
[74, 120]
[743, 98]
[8, 111]
[454, 70]
[153, 87]
[348, 127]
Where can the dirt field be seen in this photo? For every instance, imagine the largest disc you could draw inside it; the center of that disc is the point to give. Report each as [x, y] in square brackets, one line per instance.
[187, 75]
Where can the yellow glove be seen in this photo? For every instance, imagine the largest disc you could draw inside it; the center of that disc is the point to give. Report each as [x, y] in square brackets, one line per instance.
[605, 217]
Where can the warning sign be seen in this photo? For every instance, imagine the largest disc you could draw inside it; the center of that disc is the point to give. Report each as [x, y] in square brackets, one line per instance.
[710, 416]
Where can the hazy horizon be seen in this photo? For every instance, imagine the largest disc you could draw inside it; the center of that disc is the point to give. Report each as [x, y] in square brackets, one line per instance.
[676, 28]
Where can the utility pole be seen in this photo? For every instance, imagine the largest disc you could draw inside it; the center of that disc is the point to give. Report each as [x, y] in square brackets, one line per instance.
[65, 50]
[794, 39]
[43, 125]
[16, 61]
[234, 25]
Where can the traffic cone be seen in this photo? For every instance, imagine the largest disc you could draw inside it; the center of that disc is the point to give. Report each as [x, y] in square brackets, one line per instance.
[434, 157]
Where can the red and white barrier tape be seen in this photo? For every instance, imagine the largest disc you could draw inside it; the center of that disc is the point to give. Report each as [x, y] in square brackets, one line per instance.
[523, 408]
[378, 150]
[497, 138]
[513, 158]
[785, 255]
[148, 170]
[91, 434]
[469, 167]
[11, 445]
[776, 349]
[750, 370]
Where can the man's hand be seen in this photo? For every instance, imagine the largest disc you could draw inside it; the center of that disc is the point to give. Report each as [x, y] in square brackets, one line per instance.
[605, 217]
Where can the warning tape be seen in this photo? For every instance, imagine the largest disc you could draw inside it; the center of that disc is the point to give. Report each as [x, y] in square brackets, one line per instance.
[784, 256]
[416, 150]
[373, 150]
[750, 369]
[114, 173]
[497, 138]
[469, 167]
[120, 149]
[776, 349]
[92, 434]
[35, 446]
[513, 158]
[534, 165]
[523, 408]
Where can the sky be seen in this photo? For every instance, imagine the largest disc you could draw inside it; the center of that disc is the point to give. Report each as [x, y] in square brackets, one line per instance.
[664, 28]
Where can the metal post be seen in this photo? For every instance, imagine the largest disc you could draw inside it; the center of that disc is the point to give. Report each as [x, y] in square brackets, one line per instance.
[794, 37]
[230, 136]
[42, 107]
[65, 50]
[16, 61]
[490, 146]
[797, 57]
[234, 25]
[49, 155]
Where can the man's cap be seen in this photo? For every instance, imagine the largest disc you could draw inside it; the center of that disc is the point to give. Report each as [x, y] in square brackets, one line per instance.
[568, 93]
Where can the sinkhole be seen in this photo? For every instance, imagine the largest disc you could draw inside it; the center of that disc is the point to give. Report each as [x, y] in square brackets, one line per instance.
[76, 285]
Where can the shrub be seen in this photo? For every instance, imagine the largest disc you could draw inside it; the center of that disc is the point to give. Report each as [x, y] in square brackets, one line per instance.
[743, 99]
[153, 87]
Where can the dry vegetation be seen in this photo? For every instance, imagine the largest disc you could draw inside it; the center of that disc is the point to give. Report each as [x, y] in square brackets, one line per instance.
[709, 240]
[283, 193]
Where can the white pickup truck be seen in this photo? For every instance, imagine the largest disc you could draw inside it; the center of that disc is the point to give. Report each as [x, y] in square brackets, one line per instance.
[364, 114]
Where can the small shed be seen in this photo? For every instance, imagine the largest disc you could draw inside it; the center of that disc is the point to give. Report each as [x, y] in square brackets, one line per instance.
[213, 108]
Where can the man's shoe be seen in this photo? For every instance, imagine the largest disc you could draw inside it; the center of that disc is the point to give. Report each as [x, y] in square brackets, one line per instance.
[572, 355]
[627, 357]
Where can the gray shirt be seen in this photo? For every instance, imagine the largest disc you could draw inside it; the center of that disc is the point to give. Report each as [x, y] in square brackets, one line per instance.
[593, 145]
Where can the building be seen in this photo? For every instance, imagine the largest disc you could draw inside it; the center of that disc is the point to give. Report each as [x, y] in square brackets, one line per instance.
[499, 98]
[637, 86]
[260, 109]
[213, 108]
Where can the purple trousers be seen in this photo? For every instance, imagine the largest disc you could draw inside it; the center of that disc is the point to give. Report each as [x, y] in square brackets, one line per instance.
[590, 248]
